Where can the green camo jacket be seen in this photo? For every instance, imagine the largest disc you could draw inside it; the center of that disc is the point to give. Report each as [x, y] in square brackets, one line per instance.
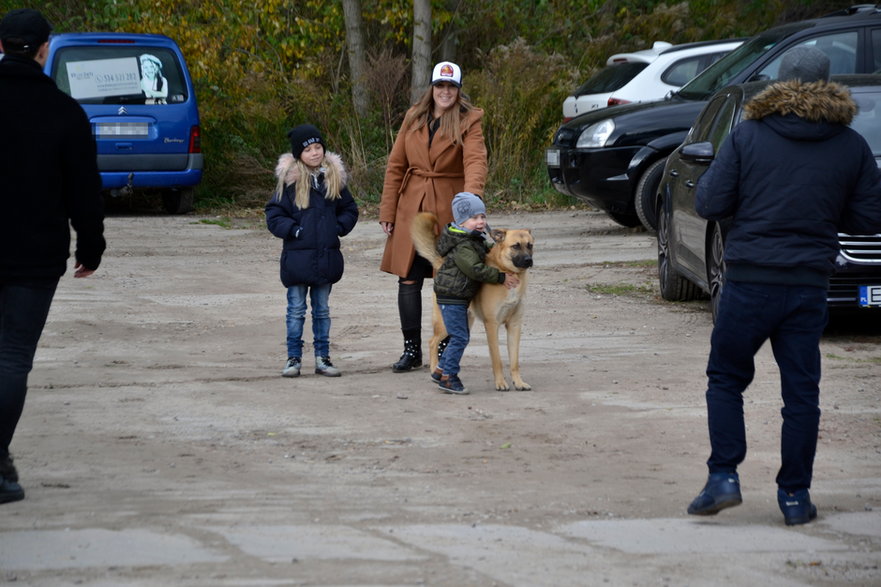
[463, 270]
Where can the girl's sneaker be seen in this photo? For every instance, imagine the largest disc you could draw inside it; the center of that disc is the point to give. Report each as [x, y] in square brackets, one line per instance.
[291, 368]
[452, 384]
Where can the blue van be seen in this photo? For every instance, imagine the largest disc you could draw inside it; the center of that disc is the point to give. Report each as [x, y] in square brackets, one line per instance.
[139, 97]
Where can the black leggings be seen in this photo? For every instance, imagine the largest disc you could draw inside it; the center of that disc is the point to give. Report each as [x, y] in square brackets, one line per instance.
[410, 297]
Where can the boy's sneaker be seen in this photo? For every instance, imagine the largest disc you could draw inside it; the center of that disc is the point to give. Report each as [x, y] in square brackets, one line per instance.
[721, 491]
[323, 366]
[796, 507]
[452, 384]
[436, 376]
[291, 368]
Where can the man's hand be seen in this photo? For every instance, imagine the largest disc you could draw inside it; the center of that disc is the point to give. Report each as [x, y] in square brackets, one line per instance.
[80, 271]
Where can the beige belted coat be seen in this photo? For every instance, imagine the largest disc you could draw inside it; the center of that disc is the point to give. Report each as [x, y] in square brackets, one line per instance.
[419, 179]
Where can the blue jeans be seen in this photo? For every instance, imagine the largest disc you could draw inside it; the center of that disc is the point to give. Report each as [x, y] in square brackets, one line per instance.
[793, 319]
[296, 317]
[23, 311]
[456, 322]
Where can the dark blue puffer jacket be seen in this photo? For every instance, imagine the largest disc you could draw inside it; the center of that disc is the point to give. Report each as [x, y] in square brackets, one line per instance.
[311, 250]
[790, 178]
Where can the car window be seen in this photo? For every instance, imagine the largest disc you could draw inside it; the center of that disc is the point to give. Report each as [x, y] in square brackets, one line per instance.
[867, 122]
[876, 50]
[723, 123]
[610, 78]
[684, 70]
[840, 48]
[120, 74]
[720, 74]
[704, 123]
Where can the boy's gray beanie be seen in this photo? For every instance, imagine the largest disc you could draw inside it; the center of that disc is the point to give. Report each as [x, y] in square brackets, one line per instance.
[466, 205]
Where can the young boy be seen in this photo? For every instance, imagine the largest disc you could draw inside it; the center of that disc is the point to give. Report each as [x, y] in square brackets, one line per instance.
[463, 245]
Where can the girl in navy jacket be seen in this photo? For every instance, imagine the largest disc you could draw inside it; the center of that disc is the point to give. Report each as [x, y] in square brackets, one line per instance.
[310, 210]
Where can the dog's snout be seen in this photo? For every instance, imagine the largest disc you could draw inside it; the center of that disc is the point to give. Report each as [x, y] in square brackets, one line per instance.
[523, 261]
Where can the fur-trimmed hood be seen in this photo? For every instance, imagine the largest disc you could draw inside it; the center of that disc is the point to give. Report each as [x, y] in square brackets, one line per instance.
[291, 172]
[815, 102]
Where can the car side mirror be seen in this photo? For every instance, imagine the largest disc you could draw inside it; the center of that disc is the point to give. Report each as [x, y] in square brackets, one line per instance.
[702, 153]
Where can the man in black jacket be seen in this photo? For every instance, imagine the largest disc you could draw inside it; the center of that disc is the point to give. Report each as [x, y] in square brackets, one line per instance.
[789, 178]
[49, 181]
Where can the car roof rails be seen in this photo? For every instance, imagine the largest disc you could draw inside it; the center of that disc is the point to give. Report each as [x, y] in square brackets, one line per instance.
[856, 9]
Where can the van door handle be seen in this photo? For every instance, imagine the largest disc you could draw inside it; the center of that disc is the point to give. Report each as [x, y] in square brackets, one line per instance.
[123, 146]
[674, 173]
[689, 183]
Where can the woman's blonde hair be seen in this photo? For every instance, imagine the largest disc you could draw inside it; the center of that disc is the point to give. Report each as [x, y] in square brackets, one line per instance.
[450, 121]
[332, 180]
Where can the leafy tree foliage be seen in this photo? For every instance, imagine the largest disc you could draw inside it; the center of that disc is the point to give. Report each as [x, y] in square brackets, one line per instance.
[261, 66]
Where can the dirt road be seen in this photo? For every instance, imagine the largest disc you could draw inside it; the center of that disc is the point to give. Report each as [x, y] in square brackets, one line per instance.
[160, 446]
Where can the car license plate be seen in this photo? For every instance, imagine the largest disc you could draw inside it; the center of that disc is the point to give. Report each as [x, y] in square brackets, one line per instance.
[870, 295]
[121, 129]
[552, 157]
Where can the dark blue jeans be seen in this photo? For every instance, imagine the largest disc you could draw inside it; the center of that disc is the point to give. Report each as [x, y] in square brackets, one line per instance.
[23, 311]
[793, 319]
[456, 322]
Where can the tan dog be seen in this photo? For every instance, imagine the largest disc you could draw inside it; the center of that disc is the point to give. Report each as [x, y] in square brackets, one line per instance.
[494, 305]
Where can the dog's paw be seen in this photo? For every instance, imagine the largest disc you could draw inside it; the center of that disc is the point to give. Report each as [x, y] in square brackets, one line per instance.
[502, 385]
[522, 386]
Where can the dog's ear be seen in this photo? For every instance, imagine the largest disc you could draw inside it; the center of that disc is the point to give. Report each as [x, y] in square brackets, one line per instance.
[498, 234]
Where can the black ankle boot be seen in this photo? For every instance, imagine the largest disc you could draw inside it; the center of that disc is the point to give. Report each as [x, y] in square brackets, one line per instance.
[411, 358]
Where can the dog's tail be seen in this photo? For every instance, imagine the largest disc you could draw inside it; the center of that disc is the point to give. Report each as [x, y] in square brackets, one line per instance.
[424, 233]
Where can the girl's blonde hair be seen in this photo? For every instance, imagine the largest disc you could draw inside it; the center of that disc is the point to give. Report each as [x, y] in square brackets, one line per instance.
[451, 120]
[332, 180]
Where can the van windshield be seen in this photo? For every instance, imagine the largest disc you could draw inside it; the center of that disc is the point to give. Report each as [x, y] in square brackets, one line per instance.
[120, 74]
[721, 73]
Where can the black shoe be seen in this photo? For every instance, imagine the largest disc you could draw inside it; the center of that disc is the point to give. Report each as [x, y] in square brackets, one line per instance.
[411, 358]
[452, 384]
[10, 490]
[436, 376]
[796, 507]
[721, 491]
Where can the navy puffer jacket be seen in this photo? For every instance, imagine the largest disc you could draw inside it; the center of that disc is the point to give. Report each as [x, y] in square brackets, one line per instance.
[311, 251]
[790, 178]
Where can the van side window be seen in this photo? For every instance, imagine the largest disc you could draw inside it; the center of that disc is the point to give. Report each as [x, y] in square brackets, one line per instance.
[876, 51]
[118, 74]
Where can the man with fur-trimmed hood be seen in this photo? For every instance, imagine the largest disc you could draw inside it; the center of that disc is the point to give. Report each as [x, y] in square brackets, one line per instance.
[788, 179]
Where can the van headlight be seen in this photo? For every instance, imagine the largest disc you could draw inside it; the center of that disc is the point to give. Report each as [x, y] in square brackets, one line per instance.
[596, 134]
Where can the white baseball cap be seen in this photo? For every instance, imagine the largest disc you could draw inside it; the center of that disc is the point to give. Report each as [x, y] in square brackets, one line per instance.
[447, 71]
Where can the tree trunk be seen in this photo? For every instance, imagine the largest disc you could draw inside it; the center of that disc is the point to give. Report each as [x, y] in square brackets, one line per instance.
[421, 48]
[355, 53]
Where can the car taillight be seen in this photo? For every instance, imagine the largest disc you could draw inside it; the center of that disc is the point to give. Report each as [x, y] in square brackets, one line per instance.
[617, 101]
[195, 140]
[566, 119]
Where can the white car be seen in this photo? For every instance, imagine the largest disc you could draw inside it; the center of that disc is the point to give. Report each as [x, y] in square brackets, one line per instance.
[646, 75]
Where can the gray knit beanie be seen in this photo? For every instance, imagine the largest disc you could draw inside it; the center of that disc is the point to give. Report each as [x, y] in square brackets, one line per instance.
[804, 63]
[466, 205]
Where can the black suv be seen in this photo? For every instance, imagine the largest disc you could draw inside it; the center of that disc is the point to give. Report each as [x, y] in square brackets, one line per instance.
[613, 158]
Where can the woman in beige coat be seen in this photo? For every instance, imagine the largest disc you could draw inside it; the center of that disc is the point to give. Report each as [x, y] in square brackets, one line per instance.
[439, 152]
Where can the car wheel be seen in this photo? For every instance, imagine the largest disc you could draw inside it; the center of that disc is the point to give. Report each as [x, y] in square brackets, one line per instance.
[646, 197]
[628, 220]
[716, 268]
[178, 201]
[674, 287]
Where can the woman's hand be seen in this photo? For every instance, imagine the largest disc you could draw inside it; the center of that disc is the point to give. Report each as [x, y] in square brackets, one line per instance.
[387, 227]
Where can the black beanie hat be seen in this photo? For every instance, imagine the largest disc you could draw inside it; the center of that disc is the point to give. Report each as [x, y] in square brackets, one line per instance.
[302, 136]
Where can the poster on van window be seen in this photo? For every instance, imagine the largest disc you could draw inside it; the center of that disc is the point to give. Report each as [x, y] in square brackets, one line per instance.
[99, 78]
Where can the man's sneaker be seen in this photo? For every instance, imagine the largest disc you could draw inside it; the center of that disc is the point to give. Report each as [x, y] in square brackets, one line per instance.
[10, 490]
[323, 366]
[452, 384]
[721, 491]
[291, 368]
[436, 376]
[796, 507]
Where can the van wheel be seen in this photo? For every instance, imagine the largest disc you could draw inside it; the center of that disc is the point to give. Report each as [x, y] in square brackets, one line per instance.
[674, 287]
[178, 201]
[646, 197]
